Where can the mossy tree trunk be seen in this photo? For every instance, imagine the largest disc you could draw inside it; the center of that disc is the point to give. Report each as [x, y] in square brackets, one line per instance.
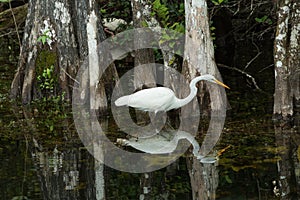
[63, 34]
[286, 59]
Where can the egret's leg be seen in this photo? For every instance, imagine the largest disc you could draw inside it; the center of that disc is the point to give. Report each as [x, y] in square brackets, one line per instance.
[158, 120]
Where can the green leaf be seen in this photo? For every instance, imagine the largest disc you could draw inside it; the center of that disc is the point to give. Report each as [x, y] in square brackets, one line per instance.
[48, 73]
[263, 19]
[42, 39]
[172, 44]
[103, 11]
[228, 180]
[5, 1]
[269, 21]
[51, 128]
[144, 24]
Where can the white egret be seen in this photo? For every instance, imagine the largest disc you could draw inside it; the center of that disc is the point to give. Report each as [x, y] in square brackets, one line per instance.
[162, 98]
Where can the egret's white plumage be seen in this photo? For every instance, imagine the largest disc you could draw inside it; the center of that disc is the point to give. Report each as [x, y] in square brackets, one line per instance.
[162, 98]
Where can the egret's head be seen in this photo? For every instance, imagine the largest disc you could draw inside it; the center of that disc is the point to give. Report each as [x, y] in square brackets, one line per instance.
[212, 79]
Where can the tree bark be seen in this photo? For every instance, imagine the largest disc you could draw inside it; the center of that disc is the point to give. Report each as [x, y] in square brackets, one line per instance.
[77, 30]
[143, 77]
[285, 166]
[141, 13]
[286, 59]
[204, 179]
[60, 20]
[199, 52]
[295, 53]
[199, 59]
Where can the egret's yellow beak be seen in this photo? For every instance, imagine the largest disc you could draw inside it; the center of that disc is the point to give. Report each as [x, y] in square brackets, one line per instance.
[222, 84]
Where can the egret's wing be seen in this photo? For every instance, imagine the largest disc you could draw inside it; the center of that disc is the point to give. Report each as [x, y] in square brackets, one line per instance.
[152, 99]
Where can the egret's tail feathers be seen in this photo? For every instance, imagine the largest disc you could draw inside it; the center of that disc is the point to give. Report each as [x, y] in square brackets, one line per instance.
[122, 101]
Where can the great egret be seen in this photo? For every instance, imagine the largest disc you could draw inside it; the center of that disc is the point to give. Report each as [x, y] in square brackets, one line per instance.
[162, 98]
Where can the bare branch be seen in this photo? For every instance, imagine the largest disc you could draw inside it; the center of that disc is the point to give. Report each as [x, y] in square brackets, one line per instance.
[242, 72]
[249, 63]
[263, 69]
[16, 26]
[69, 75]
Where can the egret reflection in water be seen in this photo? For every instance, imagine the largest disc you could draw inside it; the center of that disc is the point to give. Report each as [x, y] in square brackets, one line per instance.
[163, 143]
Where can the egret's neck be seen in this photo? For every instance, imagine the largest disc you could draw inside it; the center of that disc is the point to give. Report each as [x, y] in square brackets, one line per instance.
[193, 93]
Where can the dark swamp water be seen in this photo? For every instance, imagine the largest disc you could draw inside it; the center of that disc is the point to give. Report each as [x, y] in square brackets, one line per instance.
[42, 157]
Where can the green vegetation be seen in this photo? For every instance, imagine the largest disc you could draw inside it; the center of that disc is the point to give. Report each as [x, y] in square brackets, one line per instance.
[44, 37]
[47, 79]
[218, 2]
[264, 19]
[168, 15]
[120, 9]
[51, 113]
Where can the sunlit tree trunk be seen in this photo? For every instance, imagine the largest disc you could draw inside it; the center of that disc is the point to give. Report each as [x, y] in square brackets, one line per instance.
[286, 59]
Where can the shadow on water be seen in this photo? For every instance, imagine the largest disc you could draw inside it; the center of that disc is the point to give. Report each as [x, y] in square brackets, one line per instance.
[42, 157]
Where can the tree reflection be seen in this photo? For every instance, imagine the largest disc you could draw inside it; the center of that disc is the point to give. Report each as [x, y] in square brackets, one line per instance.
[287, 185]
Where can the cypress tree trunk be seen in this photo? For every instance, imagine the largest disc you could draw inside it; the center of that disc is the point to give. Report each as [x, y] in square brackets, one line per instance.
[295, 53]
[143, 77]
[199, 51]
[60, 33]
[199, 60]
[146, 77]
[286, 59]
